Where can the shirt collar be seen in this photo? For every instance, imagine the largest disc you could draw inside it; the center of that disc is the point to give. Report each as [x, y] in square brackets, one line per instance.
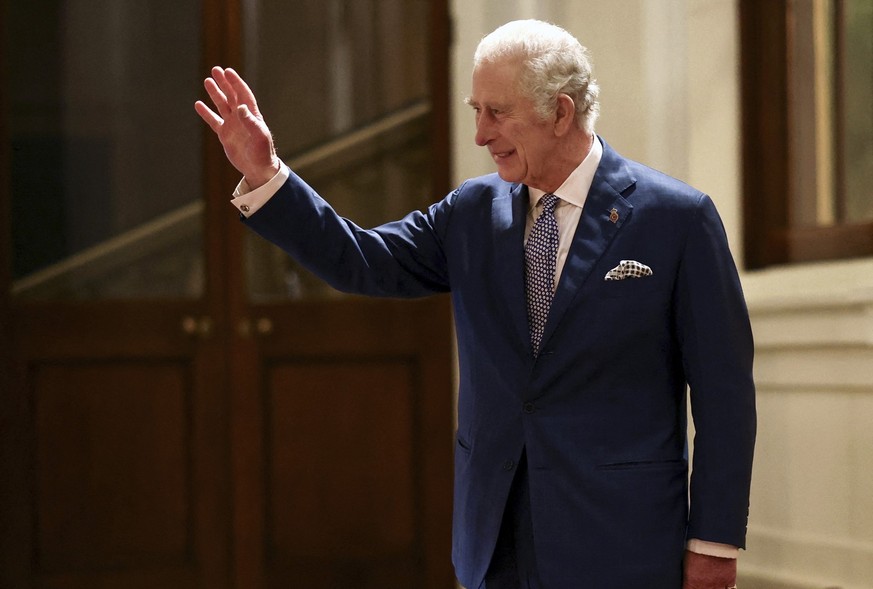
[575, 188]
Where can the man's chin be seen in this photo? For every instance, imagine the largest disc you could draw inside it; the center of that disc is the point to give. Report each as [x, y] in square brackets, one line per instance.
[508, 175]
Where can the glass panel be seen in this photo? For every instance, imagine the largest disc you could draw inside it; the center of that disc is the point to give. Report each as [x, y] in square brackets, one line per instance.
[106, 152]
[810, 78]
[831, 111]
[857, 92]
[343, 86]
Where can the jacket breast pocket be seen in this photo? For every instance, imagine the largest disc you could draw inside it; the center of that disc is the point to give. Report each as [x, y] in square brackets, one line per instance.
[643, 287]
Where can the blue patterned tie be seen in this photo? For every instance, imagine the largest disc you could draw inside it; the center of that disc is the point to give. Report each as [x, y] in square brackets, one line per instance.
[540, 255]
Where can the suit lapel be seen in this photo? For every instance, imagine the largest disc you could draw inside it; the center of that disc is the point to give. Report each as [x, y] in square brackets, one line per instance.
[604, 214]
[509, 214]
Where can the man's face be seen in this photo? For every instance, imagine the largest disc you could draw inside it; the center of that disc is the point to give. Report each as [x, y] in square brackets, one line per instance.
[519, 141]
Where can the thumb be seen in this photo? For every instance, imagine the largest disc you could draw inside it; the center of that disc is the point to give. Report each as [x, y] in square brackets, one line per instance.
[248, 119]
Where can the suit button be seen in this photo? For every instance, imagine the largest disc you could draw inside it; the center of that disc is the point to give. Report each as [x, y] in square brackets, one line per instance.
[529, 408]
[508, 465]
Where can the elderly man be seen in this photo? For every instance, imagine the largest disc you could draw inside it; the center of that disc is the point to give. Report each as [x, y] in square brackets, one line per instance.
[589, 291]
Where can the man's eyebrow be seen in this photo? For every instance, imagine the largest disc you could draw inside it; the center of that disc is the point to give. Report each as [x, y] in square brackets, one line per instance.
[469, 101]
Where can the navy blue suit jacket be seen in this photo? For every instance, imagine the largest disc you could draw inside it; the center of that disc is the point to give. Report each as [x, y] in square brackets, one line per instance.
[602, 411]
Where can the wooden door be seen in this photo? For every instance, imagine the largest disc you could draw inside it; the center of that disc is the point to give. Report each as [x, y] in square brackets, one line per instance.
[114, 430]
[342, 408]
[173, 411]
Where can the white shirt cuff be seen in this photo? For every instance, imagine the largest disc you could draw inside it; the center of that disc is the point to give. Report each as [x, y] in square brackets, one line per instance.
[712, 548]
[248, 201]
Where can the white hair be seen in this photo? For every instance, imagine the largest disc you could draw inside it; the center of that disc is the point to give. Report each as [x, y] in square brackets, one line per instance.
[552, 61]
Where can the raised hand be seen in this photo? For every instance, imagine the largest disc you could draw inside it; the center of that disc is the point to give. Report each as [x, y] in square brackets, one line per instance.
[239, 126]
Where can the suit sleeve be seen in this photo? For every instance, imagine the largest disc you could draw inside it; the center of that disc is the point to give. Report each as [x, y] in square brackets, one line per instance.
[400, 259]
[717, 351]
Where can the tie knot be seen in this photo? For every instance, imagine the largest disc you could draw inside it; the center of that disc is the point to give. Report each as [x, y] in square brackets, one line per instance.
[549, 201]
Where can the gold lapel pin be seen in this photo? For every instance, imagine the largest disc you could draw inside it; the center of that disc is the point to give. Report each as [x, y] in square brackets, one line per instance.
[613, 215]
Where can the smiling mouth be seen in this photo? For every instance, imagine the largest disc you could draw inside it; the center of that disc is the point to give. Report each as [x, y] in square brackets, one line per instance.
[500, 155]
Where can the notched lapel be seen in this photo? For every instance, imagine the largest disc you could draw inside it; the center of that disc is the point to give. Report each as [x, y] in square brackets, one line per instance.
[508, 218]
[604, 214]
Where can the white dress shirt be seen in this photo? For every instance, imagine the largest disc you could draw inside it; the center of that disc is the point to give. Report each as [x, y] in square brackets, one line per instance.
[572, 194]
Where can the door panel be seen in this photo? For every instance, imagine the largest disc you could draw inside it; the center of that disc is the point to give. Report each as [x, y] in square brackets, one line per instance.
[340, 467]
[113, 483]
[106, 160]
[351, 114]
[118, 477]
[357, 458]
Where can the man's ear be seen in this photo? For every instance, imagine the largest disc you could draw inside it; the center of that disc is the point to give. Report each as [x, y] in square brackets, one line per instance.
[565, 114]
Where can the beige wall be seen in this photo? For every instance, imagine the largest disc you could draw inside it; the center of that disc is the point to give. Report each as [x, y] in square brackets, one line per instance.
[668, 70]
[668, 85]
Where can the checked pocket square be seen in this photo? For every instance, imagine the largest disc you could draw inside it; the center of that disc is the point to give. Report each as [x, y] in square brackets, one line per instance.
[628, 269]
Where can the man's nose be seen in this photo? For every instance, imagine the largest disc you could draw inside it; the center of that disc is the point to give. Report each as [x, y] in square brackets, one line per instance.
[484, 130]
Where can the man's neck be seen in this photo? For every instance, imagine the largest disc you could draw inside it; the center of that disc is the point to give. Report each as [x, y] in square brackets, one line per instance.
[573, 152]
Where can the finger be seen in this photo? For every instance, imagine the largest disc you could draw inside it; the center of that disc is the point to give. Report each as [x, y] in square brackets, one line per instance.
[241, 89]
[212, 119]
[219, 75]
[219, 98]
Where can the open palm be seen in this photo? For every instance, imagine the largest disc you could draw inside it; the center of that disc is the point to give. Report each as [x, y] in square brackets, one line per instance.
[239, 125]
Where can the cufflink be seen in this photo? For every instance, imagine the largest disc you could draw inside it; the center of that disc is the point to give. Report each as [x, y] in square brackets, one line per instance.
[244, 208]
